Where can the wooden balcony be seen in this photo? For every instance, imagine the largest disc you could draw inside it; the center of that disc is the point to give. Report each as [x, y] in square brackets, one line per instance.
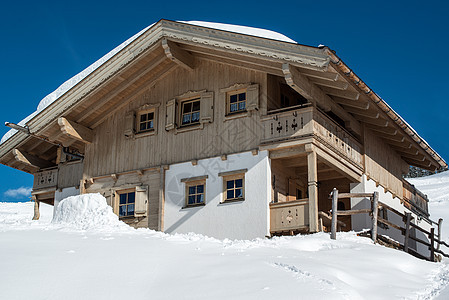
[414, 199]
[290, 217]
[45, 179]
[299, 123]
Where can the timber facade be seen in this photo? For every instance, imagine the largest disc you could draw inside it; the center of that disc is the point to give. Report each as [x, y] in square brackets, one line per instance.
[196, 129]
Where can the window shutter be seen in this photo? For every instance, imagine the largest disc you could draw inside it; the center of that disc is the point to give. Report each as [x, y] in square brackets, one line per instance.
[129, 124]
[170, 116]
[207, 107]
[252, 97]
[141, 203]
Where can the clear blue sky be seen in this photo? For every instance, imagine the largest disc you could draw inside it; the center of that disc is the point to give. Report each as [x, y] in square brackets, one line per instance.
[399, 48]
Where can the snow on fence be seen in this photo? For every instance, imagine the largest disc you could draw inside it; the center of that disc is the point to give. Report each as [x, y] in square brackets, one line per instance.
[406, 218]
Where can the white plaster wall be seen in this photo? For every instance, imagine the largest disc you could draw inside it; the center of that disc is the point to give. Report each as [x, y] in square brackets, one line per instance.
[364, 221]
[64, 193]
[236, 220]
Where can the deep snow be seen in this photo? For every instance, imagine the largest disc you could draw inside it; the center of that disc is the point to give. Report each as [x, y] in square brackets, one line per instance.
[66, 257]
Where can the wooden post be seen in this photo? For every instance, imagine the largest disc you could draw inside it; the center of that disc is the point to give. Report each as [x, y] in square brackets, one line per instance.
[313, 191]
[375, 214]
[37, 214]
[334, 214]
[432, 241]
[407, 230]
[440, 224]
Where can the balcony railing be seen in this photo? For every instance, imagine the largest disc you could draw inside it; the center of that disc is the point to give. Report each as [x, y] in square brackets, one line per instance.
[289, 216]
[414, 199]
[296, 123]
[45, 179]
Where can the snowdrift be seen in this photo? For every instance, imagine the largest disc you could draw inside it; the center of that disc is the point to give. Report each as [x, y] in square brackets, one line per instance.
[86, 212]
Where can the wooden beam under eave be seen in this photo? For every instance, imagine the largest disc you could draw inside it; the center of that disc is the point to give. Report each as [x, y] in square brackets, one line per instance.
[382, 130]
[339, 85]
[76, 131]
[379, 122]
[314, 94]
[178, 55]
[331, 76]
[410, 151]
[30, 160]
[360, 104]
[403, 144]
[342, 94]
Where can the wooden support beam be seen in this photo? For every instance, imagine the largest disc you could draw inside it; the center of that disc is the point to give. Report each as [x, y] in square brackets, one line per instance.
[339, 85]
[360, 104]
[313, 191]
[409, 151]
[379, 122]
[314, 94]
[178, 55]
[30, 160]
[76, 131]
[331, 76]
[419, 157]
[351, 95]
[383, 130]
[403, 144]
[372, 114]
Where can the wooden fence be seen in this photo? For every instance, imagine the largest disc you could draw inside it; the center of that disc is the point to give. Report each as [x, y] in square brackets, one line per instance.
[405, 230]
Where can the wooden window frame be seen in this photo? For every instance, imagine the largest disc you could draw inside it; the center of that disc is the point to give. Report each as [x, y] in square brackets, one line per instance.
[228, 102]
[117, 202]
[138, 122]
[226, 178]
[190, 183]
[182, 102]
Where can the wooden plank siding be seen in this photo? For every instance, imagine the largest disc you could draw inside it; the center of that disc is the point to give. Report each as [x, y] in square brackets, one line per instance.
[110, 152]
[383, 164]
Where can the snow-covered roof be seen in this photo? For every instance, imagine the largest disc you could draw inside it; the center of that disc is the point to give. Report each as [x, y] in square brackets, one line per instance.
[63, 88]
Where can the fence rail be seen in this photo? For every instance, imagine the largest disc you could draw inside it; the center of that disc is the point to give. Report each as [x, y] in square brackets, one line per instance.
[406, 218]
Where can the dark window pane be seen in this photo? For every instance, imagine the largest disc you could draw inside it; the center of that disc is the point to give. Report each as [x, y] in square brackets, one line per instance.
[242, 97]
[238, 193]
[143, 118]
[131, 197]
[239, 183]
[192, 190]
[187, 107]
[230, 194]
[151, 116]
[195, 117]
[122, 211]
[233, 98]
[122, 198]
[196, 106]
[200, 189]
[230, 184]
[191, 199]
[143, 126]
[199, 198]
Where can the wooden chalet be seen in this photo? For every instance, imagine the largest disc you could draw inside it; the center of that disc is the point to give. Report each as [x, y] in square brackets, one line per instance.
[193, 128]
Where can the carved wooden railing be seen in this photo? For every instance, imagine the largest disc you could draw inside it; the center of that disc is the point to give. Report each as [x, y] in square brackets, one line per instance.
[45, 179]
[337, 138]
[305, 121]
[414, 199]
[289, 216]
[282, 125]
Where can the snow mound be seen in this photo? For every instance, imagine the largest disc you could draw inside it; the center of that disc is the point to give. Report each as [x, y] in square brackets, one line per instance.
[86, 212]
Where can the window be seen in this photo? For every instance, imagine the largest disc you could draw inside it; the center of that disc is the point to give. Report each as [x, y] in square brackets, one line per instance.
[234, 186]
[236, 102]
[126, 203]
[145, 121]
[190, 112]
[195, 193]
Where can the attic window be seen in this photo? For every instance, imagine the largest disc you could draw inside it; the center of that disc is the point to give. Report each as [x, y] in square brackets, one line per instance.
[145, 121]
[190, 112]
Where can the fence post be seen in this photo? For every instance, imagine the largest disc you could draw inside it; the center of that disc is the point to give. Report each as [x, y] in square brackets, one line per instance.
[440, 224]
[334, 214]
[407, 230]
[432, 241]
[375, 214]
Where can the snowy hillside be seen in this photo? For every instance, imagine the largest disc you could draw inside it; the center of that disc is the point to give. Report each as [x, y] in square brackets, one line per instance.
[87, 253]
